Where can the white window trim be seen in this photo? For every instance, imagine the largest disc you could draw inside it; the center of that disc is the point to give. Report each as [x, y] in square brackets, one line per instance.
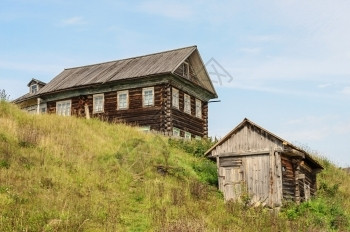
[176, 132]
[198, 137]
[94, 104]
[175, 101]
[127, 99]
[198, 112]
[43, 106]
[30, 88]
[188, 135]
[187, 109]
[145, 129]
[62, 102]
[143, 96]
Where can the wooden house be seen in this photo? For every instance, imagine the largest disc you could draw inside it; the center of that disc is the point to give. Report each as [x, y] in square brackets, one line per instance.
[167, 92]
[256, 164]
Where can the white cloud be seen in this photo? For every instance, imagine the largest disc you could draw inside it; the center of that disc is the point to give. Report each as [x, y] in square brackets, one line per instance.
[346, 90]
[168, 9]
[76, 20]
[29, 67]
[251, 51]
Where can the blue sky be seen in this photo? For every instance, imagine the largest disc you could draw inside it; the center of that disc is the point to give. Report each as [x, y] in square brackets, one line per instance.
[289, 59]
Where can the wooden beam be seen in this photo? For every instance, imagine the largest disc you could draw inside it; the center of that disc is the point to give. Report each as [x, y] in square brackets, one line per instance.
[226, 154]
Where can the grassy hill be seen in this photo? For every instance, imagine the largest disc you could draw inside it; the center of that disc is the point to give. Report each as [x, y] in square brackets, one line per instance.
[70, 174]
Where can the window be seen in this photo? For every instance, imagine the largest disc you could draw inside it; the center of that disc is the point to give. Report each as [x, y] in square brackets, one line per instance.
[176, 132]
[98, 103]
[63, 108]
[123, 100]
[186, 70]
[175, 97]
[43, 108]
[198, 137]
[187, 135]
[145, 128]
[187, 104]
[34, 88]
[198, 108]
[148, 96]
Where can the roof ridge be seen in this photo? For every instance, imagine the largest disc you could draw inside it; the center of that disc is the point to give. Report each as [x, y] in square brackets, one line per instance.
[130, 58]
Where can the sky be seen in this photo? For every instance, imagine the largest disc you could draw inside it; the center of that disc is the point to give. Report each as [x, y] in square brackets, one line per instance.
[285, 65]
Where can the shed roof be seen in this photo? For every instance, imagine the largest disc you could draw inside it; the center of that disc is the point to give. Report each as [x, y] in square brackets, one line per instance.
[141, 66]
[247, 121]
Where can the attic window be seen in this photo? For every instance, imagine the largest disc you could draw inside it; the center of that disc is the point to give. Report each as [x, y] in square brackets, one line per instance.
[34, 88]
[186, 69]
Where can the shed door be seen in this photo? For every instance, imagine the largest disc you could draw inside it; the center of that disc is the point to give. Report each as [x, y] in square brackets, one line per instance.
[232, 183]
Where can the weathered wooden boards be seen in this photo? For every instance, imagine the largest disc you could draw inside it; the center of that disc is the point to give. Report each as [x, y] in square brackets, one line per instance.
[270, 169]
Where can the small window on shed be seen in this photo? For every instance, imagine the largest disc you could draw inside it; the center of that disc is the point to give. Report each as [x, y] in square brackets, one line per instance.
[188, 135]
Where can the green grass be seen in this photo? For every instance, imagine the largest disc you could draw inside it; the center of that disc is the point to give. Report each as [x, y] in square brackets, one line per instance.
[71, 174]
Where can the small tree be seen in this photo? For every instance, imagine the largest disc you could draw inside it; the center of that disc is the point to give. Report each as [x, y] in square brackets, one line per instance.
[4, 96]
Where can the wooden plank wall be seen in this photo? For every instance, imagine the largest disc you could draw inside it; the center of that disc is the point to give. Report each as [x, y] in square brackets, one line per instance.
[288, 178]
[310, 179]
[161, 117]
[260, 174]
[135, 115]
[248, 139]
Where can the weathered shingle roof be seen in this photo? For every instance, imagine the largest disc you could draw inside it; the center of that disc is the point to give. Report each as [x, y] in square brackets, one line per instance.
[247, 121]
[153, 64]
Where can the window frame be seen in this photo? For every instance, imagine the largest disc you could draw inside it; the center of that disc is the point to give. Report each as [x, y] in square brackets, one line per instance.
[64, 102]
[31, 88]
[187, 109]
[94, 103]
[127, 99]
[145, 129]
[177, 130]
[143, 97]
[43, 108]
[175, 100]
[188, 135]
[198, 112]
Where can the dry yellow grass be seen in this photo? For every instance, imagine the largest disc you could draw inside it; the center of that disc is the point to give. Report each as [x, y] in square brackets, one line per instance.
[70, 174]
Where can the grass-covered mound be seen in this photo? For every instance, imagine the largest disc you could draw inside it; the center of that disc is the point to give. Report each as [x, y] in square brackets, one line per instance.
[71, 174]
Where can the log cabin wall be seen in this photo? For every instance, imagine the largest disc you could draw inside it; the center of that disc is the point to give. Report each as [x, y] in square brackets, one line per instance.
[288, 178]
[136, 114]
[189, 122]
[160, 117]
[307, 184]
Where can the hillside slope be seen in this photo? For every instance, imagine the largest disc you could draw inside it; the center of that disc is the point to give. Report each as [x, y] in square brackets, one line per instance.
[70, 174]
